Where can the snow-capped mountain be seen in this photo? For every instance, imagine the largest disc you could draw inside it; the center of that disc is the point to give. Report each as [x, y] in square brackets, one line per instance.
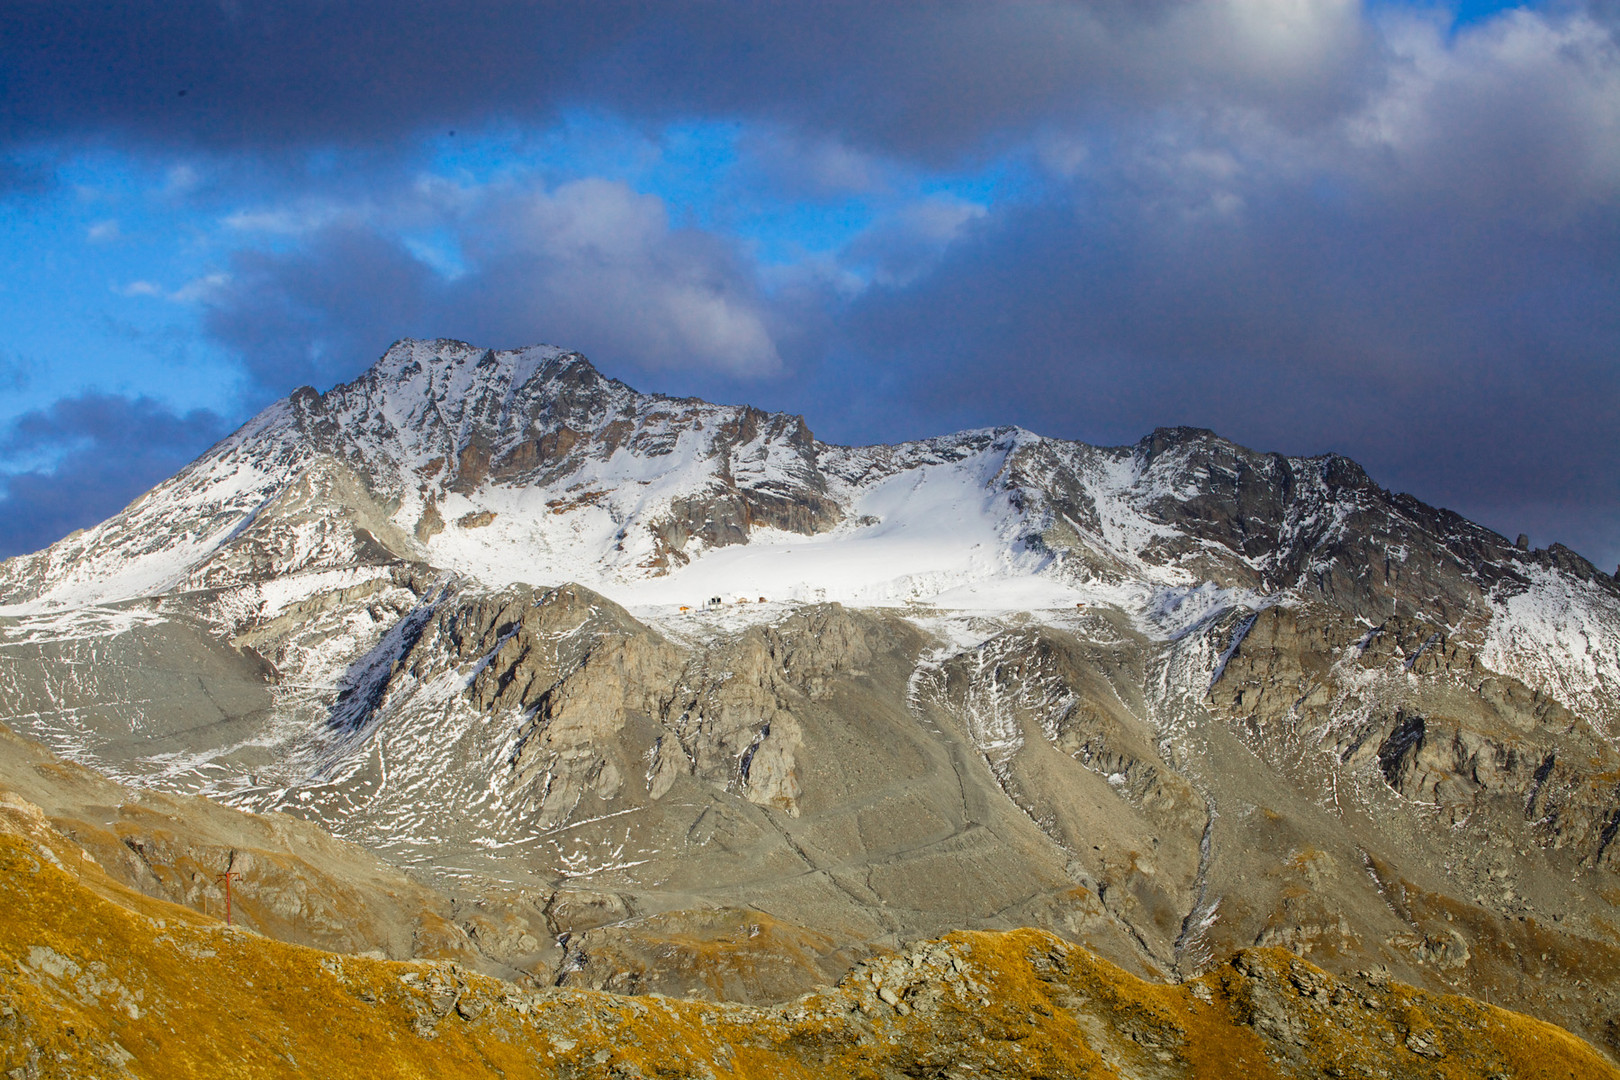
[530, 466]
[403, 462]
[1169, 698]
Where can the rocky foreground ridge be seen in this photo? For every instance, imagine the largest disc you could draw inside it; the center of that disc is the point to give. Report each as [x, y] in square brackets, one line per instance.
[101, 982]
[1169, 702]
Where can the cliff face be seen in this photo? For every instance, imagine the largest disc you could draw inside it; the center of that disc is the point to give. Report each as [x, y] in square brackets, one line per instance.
[1169, 701]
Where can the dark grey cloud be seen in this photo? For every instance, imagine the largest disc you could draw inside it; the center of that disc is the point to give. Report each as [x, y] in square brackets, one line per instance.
[930, 79]
[902, 248]
[1489, 389]
[935, 80]
[106, 450]
[231, 75]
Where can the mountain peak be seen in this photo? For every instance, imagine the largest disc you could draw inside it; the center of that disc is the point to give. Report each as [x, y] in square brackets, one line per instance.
[1163, 439]
[442, 360]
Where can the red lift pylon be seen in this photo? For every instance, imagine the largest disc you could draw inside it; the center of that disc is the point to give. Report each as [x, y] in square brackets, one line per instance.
[226, 878]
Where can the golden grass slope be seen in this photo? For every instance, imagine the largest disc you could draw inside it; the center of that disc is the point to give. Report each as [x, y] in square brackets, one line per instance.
[97, 980]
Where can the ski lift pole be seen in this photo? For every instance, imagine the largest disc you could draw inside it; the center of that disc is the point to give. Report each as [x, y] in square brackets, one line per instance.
[226, 878]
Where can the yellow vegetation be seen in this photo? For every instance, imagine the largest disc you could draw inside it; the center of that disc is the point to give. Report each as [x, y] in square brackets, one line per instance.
[99, 981]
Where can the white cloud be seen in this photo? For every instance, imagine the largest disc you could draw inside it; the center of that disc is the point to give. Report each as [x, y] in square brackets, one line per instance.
[181, 180]
[591, 264]
[445, 258]
[594, 262]
[298, 220]
[1516, 116]
[1521, 110]
[202, 288]
[815, 164]
[1278, 42]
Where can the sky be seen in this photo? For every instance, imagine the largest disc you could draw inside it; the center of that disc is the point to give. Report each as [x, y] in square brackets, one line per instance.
[1389, 230]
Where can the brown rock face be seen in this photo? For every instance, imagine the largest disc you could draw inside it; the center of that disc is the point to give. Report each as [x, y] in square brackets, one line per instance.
[431, 523]
[1405, 726]
[1484, 749]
